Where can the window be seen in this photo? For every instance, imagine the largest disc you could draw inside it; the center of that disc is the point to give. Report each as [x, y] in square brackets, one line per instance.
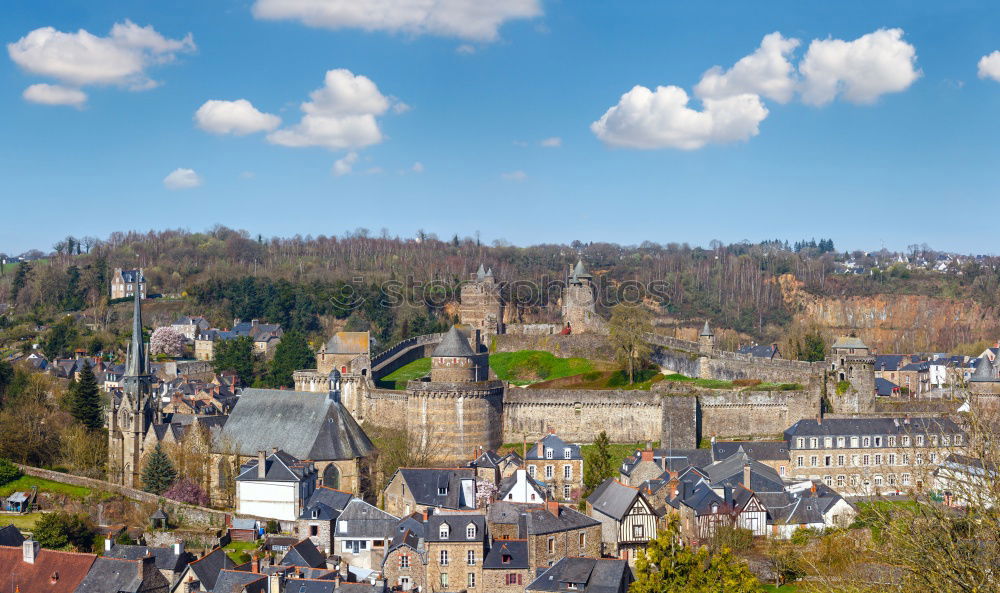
[920, 440]
[854, 480]
[854, 442]
[878, 481]
[866, 442]
[891, 479]
[905, 479]
[531, 471]
[313, 530]
[892, 441]
[444, 531]
[933, 457]
[877, 441]
[827, 460]
[934, 440]
[906, 441]
[878, 459]
[840, 481]
[827, 442]
[444, 558]
[840, 460]
[946, 440]
[548, 453]
[840, 442]
[906, 459]
[444, 579]
[781, 470]
[866, 460]
[800, 443]
[548, 471]
[505, 559]
[813, 443]
[583, 540]
[813, 461]
[512, 579]
[355, 546]
[443, 491]
[958, 439]
[567, 454]
[472, 580]
[470, 558]
[551, 545]
[567, 472]
[892, 459]
[828, 480]
[404, 583]
[800, 461]
[637, 532]
[920, 458]
[854, 460]
[404, 561]
[566, 492]
[342, 526]
[470, 531]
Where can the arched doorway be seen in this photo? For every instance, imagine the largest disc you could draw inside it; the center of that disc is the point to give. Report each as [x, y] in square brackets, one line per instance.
[331, 476]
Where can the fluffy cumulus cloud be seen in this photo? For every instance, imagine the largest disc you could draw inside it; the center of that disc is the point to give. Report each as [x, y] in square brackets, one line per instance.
[662, 119]
[766, 72]
[238, 117]
[82, 58]
[989, 66]
[858, 71]
[344, 165]
[341, 115]
[477, 20]
[182, 179]
[54, 94]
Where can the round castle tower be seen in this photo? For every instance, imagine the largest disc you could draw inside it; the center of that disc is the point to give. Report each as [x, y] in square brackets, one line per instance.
[460, 408]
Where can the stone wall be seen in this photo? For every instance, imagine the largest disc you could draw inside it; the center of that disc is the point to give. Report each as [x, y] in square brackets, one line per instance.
[451, 419]
[592, 346]
[754, 414]
[675, 361]
[532, 329]
[729, 366]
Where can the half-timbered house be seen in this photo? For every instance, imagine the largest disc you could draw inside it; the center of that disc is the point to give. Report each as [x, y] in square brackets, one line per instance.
[627, 518]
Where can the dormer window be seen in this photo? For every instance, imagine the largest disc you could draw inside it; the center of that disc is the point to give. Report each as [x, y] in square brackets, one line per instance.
[470, 531]
[566, 453]
[315, 514]
[443, 491]
[444, 531]
[548, 453]
[571, 586]
[715, 507]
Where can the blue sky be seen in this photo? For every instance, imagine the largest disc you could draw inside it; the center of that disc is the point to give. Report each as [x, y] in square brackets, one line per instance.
[884, 137]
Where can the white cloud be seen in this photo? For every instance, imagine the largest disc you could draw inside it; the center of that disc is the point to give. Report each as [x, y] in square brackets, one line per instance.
[766, 72]
[466, 19]
[662, 119]
[54, 94]
[340, 115]
[182, 179]
[860, 71]
[344, 165]
[466, 49]
[417, 167]
[81, 58]
[553, 142]
[238, 117]
[989, 66]
[514, 175]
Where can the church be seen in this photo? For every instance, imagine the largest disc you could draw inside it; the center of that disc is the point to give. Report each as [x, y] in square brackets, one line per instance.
[312, 426]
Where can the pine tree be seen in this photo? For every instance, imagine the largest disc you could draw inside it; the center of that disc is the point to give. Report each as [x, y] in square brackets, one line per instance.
[159, 473]
[292, 353]
[85, 402]
[600, 466]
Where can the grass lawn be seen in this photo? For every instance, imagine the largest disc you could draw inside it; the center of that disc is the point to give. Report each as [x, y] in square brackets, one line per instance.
[24, 483]
[708, 383]
[409, 372]
[604, 380]
[22, 522]
[239, 552]
[530, 366]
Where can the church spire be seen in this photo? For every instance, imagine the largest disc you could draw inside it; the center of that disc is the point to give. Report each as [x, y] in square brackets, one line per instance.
[135, 366]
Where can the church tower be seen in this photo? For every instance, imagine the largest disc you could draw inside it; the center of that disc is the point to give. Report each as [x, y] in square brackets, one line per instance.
[131, 416]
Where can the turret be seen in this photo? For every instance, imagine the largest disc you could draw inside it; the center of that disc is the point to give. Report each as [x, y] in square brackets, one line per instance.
[454, 361]
[706, 339]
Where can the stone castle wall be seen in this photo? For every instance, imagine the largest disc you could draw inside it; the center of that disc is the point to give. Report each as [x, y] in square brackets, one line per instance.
[592, 346]
[729, 366]
[754, 414]
[450, 420]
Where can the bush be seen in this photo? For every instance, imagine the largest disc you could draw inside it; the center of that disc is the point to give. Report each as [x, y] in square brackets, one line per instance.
[842, 387]
[57, 530]
[8, 472]
[272, 526]
[186, 490]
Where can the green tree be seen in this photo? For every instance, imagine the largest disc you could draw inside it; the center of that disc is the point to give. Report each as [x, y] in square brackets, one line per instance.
[59, 339]
[293, 353]
[628, 328]
[73, 297]
[60, 529]
[20, 279]
[85, 399]
[600, 465]
[8, 472]
[813, 347]
[6, 378]
[669, 566]
[159, 473]
[235, 355]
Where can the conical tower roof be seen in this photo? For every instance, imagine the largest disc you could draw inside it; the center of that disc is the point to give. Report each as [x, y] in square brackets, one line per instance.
[706, 331]
[481, 273]
[454, 344]
[135, 366]
[579, 271]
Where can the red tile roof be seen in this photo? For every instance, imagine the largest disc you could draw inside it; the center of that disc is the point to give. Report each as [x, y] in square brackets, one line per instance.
[52, 571]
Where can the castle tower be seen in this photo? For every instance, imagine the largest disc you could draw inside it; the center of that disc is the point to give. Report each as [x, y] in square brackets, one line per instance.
[578, 303]
[459, 409]
[130, 417]
[851, 388]
[706, 340]
[481, 307]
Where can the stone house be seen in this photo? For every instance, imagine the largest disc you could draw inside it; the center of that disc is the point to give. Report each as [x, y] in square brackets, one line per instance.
[628, 520]
[406, 560]
[506, 568]
[201, 574]
[362, 534]
[559, 465]
[413, 489]
[171, 561]
[887, 366]
[189, 326]
[915, 378]
[275, 486]
[554, 531]
[649, 463]
[29, 568]
[456, 546]
[320, 514]
[584, 575]
[125, 283]
[340, 352]
[124, 576]
[771, 453]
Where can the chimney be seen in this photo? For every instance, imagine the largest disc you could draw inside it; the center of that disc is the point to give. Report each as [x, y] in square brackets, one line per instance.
[906, 419]
[108, 543]
[255, 564]
[746, 475]
[647, 455]
[148, 567]
[819, 419]
[274, 449]
[425, 515]
[552, 430]
[261, 466]
[727, 494]
[29, 551]
[553, 507]
[178, 547]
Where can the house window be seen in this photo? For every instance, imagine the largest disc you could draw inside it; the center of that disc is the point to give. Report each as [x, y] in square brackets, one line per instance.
[472, 580]
[958, 439]
[866, 442]
[840, 460]
[470, 558]
[313, 530]
[781, 470]
[549, 470]
[444, 558]
[813, 443]
[920, 440]
[906, 459]
[920, 458]
[548, 453]
[567, 472]
[800, 461]
[513, 579]
[827, 442]
[854, 480]
[827, 460]
[892, 479]
[404, 583]
[571, 586]
[566, 453]
[404, 561]
[840, 442]
[945, 440]
[892, 459]
[443, 491]
[892, 441]
[470, 532]
[854, 442]
[551, 545]
[583, 540]
[531, 471]
[443, 579]
[866, 460]
[800, 443]
[566, 492]
[813, 461]
[905, 479]
[934, 440]
[878, 459]
[878, 481]
[933, 457]
[840, 481]
[828, 480]
[906, 441]
[444, 531]
[637, 532]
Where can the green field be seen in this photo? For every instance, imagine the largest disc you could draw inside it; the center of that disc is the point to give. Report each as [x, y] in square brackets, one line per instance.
[239, 552]
[410, 372]
[520, 368]
[24, 484]
[707, 383]
[644, 380]
[22, 522]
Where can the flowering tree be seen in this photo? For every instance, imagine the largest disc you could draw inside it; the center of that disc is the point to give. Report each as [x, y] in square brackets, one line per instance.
[185, 490]
[166, 340]
[485, 493]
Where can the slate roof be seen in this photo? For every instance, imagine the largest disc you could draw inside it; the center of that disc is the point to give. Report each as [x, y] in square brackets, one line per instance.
[613, 498]
[11, 536]
[206, 569]
[986, 370]
[538, 520]
[305, 425]
[579, 271]
[457, 524]
[424, 484]
[760, 351]
[454, 344]
[328, 501]
[590, 575]
[348, 343]
[558, 446]
[16, 574]
[165, 557]
[849, 342]
[671, 459]
[304, 553]
[759, 450]
[884, 387]
[234, 581]
[278, 467]
[504, 513]
[706, 330]
[363, 521]
[888, 362]
[729, 472]
[515, 550]
[119, 575]
[870, 426]
[917, 366]
[489, 458]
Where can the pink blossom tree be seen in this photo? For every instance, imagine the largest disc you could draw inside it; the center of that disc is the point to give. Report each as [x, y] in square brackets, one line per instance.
[486, 492]
[166, 340]
[185, 490]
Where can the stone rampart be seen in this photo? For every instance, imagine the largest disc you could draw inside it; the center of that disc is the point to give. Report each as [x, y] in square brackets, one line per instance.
[675, 361]
[753, 414]
[729, 366]
[532, 329]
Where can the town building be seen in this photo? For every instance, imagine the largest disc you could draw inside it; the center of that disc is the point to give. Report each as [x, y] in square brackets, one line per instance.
[522, 488]
[127, 283]
[190, 327]
[557, 464]
[628, 520]
[770, 453]
[171, 561]
[481, 306]
[274, 486]
[265, 337]
[28, 567]
[363, 533]
[414, 490]
[584, 575]
[320, 514]
[456, 547]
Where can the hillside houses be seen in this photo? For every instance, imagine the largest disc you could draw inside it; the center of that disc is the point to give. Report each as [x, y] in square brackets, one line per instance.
[265, 337]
